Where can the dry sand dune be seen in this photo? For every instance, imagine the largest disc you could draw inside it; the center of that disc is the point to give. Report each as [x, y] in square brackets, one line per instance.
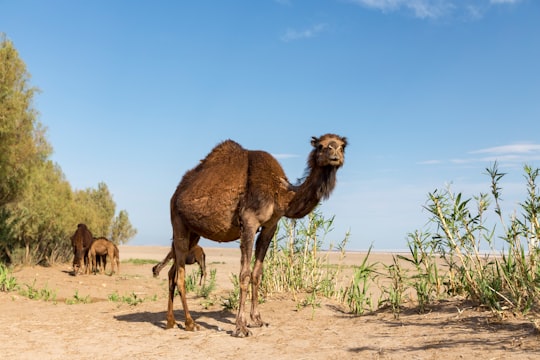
[33, 329]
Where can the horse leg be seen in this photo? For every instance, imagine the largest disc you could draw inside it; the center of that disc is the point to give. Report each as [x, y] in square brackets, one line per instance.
[261, 247]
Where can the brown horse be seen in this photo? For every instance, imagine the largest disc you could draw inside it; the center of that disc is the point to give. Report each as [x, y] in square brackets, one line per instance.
[81, 241]
[106, 249]
[196, 255]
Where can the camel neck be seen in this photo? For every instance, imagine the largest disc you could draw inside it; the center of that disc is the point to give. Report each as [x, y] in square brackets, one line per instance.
[317, 186]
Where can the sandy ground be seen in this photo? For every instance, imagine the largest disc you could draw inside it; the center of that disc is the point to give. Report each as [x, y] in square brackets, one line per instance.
[103, 329]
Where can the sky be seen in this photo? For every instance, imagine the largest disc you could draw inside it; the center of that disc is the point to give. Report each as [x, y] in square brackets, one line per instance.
[429, 93]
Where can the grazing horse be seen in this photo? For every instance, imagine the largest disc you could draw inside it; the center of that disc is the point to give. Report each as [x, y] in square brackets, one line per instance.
[81, 241]
[106, 249]
[196, 255]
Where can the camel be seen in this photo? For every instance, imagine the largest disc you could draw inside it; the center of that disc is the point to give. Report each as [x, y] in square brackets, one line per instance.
[81, 241]
[103, 247]
[233, 193]
[196, 255]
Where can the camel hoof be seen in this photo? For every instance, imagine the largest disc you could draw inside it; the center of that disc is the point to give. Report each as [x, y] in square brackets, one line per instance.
[192, 326]
[170, 324]
[242, 332]
[258, 324]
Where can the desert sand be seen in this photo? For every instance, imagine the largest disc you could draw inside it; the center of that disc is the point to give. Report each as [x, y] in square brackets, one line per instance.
[104, 329]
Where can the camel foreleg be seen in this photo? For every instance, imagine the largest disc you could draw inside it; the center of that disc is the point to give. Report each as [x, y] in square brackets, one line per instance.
[261, 247]
[246, 247]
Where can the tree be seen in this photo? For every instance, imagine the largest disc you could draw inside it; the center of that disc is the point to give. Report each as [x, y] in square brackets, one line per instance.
[39, 211]
[22, 140]
[96, 209]
[42, 219]
[121, 229]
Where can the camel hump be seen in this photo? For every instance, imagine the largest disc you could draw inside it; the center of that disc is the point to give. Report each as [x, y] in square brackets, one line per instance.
[214, 189]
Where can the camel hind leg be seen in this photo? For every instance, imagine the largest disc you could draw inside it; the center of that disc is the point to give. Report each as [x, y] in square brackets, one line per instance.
[202, 265]
[177, 274]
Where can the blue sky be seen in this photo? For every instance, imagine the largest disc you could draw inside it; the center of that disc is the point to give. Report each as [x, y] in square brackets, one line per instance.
[428, 93]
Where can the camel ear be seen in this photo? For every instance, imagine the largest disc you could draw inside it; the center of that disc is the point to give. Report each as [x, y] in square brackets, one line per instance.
[344, 139]
[314, 141]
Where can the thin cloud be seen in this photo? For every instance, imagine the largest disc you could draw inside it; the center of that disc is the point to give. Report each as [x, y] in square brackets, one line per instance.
[434, 9]
[422, 9]
[524, 148]
[285, 156]
[508, 154]
[429, 162]
[293, 34]
[504, 1]
[511, 154]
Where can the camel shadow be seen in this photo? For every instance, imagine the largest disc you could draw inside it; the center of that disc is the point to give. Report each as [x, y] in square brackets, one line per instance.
[69, 272]
[158, 319]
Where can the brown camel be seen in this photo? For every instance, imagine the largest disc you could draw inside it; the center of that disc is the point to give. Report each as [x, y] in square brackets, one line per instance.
[81, 241]
[232, 194]
[103, 247]
[196, 255]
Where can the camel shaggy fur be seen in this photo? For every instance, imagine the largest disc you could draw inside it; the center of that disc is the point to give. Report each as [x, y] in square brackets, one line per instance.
[232, 194]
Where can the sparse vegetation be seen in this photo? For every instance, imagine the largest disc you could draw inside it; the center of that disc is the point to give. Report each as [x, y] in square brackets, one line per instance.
[78, 299]
[7, 281]
[140, 261]
[458, 258]
[31, 292]
[294, 262]
[130, 299]
[499, 279]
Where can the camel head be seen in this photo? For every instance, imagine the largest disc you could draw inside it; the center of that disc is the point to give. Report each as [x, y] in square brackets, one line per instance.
[329, 150]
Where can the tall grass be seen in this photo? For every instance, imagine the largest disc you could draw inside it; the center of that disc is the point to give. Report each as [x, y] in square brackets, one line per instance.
[357, 295]
[456, 256]
[498, 279]
[294, 262]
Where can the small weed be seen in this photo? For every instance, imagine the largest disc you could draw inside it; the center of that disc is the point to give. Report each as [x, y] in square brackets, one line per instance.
[207, 288]
[78, 299]
[7, 281]
[232, 301]
[31, 292]
[131, 299]
[114, 297]
[140, 261]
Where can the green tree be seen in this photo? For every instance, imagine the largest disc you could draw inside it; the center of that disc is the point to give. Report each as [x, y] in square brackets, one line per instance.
[39, 211]
[96, 209]
[122, 230]
[22, 141]
[42, 219]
